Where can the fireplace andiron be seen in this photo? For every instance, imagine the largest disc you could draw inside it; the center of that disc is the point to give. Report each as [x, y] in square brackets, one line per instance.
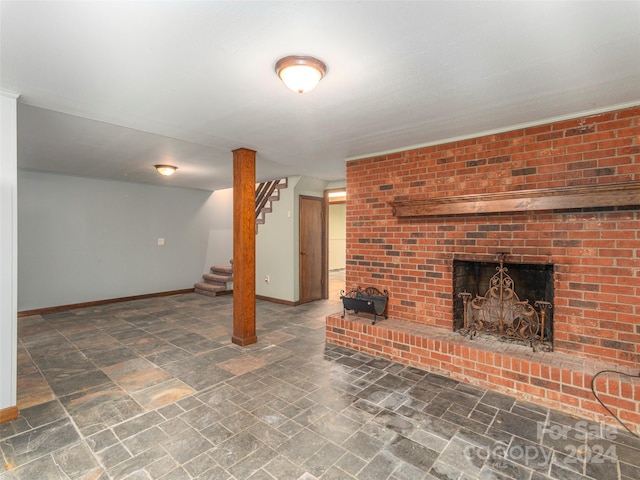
[368, 300]
[500, 312]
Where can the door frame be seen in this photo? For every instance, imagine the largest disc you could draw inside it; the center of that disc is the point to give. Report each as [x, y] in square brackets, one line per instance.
[324, 262]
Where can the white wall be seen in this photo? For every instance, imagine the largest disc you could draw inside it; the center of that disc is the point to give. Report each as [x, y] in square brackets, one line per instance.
[277, 247]
[8, 248]
[85, 239]
[219, 211]
[277, 244]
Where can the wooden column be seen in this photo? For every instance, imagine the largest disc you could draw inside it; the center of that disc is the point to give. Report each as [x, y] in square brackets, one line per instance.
[244, 247]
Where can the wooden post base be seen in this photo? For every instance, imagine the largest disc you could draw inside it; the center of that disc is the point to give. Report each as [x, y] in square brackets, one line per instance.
[244, 341]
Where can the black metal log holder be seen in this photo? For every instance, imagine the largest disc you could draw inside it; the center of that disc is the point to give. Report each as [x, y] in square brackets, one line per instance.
[368, 300]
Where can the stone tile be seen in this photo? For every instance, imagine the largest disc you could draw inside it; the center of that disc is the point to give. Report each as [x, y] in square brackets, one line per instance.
[25, 447]
[105, 358]
[137, 374]
[395, 422]
[174, 426]
[216, 434]
[162, 394]
[222, 354]
[301, 446]
[100, 407]
[517, 425]
[463, 456]
[144, 440]
[320, 461]
[363, 445]
[101, 440]
[186, 338]
[215, 473]
[198, 372]
[66, 385]
[141, 464]
[439, 427]
[76, 461]
[465, 421]
[498, 400]
[113, 455]
[268, 434]
[186, 445]
[135, 425]
[432, 442]
[251, 465]
[33, 389]
[43, 413]
[170, 411]
[335, 427]
[168, 355]
[413, 453]
[528, 454]
[283, 469]
[43, 468]
[198, 464]
[178, 473]
[64, 365]
[395, 383]
[405, 471]
[333, 473]
[381, 466]
[349, 463]
[235, 448]
[243, 364]
[189, 403]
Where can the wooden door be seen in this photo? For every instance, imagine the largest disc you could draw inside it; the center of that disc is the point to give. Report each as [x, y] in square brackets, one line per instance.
[313, 275]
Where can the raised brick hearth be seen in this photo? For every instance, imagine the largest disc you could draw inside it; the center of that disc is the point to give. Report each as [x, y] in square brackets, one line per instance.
[595, 253]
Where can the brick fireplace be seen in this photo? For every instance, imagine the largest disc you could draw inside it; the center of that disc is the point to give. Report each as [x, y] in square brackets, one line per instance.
[563, 194]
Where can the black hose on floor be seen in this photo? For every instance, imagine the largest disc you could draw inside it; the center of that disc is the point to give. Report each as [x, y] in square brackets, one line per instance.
[593, 381]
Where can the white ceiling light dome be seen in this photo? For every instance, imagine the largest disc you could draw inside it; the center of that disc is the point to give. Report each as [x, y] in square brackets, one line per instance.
[300, 73]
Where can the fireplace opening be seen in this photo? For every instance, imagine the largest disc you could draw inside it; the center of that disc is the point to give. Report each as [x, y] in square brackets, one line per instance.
[509, 300]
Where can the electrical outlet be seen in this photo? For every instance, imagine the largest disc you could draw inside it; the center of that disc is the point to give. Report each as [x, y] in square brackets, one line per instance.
[267, 279]
[160, 241]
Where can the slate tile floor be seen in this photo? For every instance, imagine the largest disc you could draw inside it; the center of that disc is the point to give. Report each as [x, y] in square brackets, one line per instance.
[153, 389]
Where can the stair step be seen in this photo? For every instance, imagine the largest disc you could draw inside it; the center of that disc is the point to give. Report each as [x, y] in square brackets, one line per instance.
[214, 279]
[205, 292]
[221, 269]
[209, 287]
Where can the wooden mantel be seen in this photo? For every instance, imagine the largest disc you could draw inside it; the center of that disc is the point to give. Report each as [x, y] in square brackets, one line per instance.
[622, 194]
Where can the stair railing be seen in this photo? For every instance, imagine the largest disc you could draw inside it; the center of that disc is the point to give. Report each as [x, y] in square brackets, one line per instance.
[264, 190]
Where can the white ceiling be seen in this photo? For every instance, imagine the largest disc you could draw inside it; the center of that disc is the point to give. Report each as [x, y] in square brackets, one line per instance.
[107, 89]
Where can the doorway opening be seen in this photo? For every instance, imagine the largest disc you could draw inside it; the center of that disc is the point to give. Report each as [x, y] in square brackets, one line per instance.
[335, 203]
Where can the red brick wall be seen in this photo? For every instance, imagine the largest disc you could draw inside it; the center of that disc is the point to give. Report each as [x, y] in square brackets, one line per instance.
[596, 253]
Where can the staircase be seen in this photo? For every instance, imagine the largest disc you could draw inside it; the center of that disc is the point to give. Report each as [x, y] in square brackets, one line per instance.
[266, 194]
[215, 281]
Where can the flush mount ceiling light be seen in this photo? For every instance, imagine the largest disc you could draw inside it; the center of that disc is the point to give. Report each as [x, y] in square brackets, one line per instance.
[300, 73]
[166, 170]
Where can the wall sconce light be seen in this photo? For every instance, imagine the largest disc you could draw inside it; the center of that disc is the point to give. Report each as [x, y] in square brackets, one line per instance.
[300, 73]
[166, 170]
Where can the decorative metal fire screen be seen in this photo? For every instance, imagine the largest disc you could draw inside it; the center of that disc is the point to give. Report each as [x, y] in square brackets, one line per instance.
[500, 312]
